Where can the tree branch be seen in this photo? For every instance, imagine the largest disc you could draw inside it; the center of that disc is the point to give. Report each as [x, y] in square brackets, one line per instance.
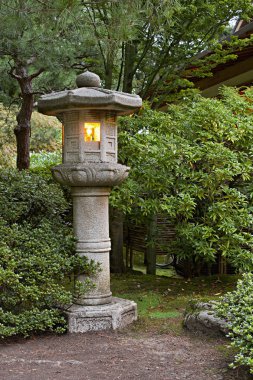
[148, 44]
[97, 35]
[37, 73]
[13, 75]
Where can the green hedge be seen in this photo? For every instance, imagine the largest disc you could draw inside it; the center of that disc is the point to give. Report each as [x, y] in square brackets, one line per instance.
[237, 309]
[38, 264]
[193, 165]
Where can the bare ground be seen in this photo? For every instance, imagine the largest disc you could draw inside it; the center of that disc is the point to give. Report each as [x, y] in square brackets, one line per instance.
[116, 355]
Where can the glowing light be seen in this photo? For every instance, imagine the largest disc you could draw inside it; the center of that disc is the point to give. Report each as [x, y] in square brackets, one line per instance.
[91, 131]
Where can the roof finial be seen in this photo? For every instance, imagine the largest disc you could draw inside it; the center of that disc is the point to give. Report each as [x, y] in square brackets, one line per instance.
[88, 79]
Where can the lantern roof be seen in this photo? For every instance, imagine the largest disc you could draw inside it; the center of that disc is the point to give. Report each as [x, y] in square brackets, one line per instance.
[89, 95]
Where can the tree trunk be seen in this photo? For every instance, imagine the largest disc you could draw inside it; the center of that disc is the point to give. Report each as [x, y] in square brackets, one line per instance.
[130, 56]
[23, 128]
[151, 251]
[109, 70]
[116, 235]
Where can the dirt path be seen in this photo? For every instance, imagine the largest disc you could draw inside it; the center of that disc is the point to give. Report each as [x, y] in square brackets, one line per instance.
[110, 355]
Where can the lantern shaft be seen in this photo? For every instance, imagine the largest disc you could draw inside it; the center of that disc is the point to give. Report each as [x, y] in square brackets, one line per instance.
[90, 217]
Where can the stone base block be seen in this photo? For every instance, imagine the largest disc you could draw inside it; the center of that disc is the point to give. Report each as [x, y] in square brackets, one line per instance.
[117, 314]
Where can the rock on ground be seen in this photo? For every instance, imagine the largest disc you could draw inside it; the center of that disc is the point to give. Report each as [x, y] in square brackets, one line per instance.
[200, 317]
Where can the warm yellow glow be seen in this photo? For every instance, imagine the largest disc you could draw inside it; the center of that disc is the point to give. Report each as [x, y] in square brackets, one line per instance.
[91, 131]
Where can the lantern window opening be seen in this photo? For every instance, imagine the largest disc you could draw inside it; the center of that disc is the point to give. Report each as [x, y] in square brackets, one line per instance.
[92, 131]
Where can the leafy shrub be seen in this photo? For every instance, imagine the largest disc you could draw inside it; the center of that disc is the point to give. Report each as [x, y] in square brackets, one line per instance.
[41, 164]
[45, 159]
[237, 309]
[45, 135]
[193, 164]
[7, 138]
[38, 264]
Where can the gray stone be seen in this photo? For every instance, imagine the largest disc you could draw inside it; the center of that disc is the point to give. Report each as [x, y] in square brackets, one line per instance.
[91, 226]
[89, 98]
[201, 318]
[88, 79]
[90, 174]
[90, 188]
[117, 314]
[76, 149]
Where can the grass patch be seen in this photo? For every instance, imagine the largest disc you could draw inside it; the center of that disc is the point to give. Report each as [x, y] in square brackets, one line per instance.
[166, 314]
[162, 300]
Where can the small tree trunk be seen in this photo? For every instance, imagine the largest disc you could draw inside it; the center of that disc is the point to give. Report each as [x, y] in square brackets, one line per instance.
[116, 235]
[131, 258]
[109, 70]
[130, 56]
[151, 251]
[22, 132]
[23, 128]
[127, 256]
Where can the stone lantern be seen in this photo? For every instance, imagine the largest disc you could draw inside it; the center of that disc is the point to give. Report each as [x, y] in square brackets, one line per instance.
[90, 167]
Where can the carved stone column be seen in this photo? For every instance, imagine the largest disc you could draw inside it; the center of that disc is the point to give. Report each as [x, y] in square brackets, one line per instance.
[90, 214]
[90, 187]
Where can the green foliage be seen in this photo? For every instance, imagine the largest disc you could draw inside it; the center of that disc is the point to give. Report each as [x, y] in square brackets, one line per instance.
[45, 136]
[46, 133]
[43, 161]
[7, 138]
[194, 164]
[38, 264]
[38, 35]
[236, 307]
[142, 52]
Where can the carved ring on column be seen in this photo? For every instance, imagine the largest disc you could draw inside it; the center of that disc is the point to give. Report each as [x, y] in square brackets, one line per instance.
[96, 174]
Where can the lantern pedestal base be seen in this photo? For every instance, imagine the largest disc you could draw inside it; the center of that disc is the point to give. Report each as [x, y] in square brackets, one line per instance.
[117, 314]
